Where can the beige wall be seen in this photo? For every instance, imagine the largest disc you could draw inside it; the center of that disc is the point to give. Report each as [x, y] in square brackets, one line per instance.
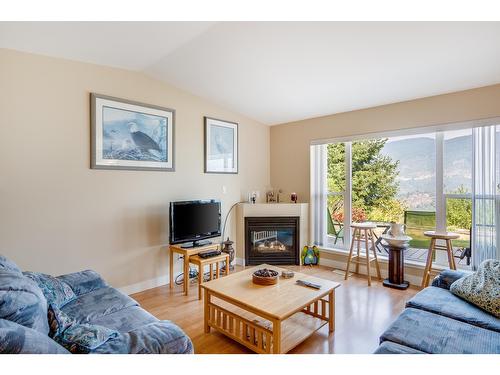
[57, 215]
[290, 142]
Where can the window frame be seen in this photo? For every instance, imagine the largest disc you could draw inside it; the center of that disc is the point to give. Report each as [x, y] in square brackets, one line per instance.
[441, 196]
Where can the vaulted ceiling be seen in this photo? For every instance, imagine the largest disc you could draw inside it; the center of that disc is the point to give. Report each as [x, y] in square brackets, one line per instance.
[278, 72]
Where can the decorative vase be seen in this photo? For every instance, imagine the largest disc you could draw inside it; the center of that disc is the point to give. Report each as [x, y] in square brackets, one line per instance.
[229, 249]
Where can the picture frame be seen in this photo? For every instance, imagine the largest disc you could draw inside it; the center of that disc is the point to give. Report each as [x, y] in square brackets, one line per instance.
[130, 135]
[221, 146]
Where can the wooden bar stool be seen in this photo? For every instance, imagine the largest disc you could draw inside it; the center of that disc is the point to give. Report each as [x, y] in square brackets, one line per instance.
[202, 262]
[363, 232]
[447, 237]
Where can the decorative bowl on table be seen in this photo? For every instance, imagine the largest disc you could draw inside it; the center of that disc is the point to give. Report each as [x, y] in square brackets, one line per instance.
[265, 276]
[396, 241]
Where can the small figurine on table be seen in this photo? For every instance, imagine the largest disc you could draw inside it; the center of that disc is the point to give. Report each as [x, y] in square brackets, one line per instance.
[310, 255]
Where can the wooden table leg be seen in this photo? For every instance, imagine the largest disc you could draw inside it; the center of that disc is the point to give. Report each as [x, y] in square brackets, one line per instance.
[171, 268]
[428, 264]
[358, 250]
[379, 275]
[451, 258]
[227, 265]
[206, 313]
[200, 280]
[350, 255]
[186, 275]
[331, 311]
[367, 258]
[276, 336]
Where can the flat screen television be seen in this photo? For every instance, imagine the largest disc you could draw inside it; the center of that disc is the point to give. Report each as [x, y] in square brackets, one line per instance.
[193, 222]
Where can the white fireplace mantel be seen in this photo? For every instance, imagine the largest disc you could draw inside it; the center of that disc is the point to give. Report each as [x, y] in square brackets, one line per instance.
[270, 209]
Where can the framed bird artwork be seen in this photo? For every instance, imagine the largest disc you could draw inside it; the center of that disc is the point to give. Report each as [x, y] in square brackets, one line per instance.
[221, 146]
[131, 135]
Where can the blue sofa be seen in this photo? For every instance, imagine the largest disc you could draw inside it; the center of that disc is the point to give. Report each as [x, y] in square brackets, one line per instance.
[24, 324]
[436, 321]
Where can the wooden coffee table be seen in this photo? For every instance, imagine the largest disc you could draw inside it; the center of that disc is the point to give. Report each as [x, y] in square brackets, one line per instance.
[272, 318]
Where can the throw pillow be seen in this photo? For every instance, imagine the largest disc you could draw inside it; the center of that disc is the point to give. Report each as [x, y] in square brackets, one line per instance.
[482, 288]
[83, 338]
[56, 291]
[58, 321]
[22, 301]
[77, 338]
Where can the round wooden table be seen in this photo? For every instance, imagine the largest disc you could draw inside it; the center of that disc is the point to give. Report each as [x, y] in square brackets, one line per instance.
[445, 236]
[363, 232]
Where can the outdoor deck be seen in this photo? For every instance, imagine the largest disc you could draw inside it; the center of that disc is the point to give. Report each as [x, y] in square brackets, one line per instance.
[412, 254]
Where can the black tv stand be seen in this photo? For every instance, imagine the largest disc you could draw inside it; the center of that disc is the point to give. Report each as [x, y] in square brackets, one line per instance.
[200, 243]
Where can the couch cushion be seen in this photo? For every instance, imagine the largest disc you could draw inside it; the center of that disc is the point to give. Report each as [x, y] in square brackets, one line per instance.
[8, 265]
[126, 320]
[389, 347]
[443, 302]
[21, 301]
[57, 292]
[17, 339]
[482, 288]
[432, 333]
[161, 337]
[83, 282]
[98, 303]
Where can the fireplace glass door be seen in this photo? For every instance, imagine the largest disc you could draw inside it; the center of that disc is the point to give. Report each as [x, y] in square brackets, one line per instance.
[272, 240]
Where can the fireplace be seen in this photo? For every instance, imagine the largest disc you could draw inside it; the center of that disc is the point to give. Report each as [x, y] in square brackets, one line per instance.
[272, 240]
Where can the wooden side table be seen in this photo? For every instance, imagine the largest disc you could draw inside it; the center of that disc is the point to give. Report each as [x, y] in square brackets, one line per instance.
[396, 277]
[202, 262]
[185, 253]
[445, 236]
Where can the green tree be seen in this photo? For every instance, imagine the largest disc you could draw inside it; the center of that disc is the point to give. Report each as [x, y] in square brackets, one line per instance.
[459, 211]
[374, 184]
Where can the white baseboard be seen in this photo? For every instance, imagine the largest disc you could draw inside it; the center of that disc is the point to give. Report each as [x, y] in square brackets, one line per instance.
[159, 281]
[332, 263]
[239, 261]
[144, 285]
[413, 280]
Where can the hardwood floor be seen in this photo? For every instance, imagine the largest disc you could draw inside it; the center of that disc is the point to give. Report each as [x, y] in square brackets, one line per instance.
[362, 314]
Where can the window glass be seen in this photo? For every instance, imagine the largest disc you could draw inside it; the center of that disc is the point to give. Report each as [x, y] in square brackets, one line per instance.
[416, 187]
[457, 181]
[336, 182]
[457, 162]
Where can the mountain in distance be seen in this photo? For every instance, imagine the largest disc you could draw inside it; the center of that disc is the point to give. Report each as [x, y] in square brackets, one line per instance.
[417, 167]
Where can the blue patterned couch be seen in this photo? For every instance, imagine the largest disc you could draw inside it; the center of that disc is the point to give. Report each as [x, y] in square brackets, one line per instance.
[88, 302]
[436, 321]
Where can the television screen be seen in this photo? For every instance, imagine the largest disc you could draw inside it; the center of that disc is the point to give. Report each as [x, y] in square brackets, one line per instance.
[192, 221]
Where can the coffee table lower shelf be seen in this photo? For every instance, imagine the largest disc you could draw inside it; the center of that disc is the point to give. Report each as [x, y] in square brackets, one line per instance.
[267, 335]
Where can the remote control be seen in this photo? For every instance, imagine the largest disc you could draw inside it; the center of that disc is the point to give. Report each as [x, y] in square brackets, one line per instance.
[309, 284]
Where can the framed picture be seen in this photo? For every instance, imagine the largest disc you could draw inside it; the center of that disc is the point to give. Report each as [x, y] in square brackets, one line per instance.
[221, 146]
[131, 135]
